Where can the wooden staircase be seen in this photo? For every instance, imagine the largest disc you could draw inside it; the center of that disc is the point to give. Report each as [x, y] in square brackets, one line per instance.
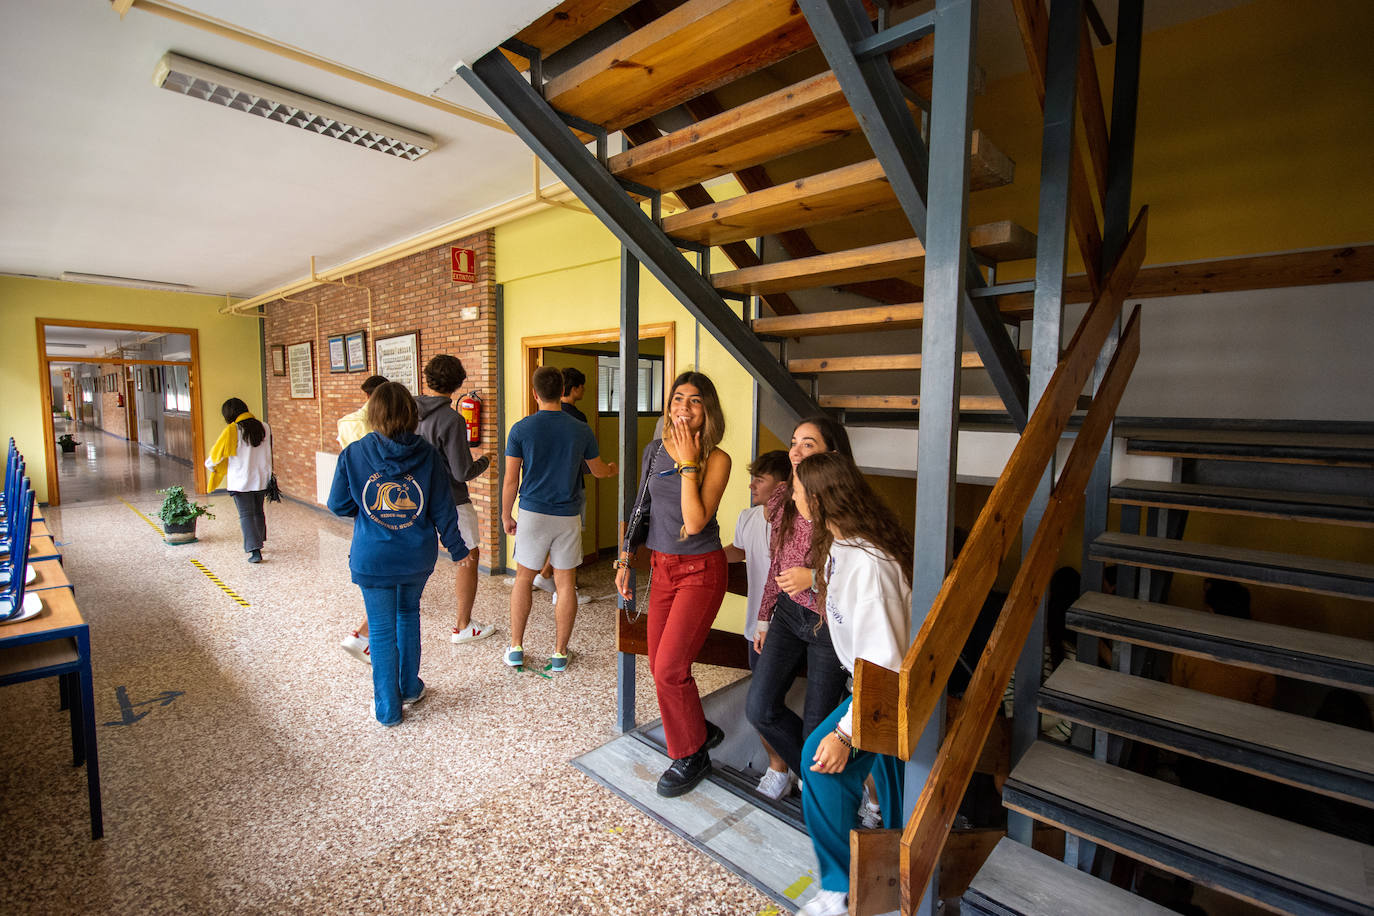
[758, 109]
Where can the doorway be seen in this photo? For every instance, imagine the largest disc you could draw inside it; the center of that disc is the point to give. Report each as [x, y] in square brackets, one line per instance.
[136, 382]
[594, 353]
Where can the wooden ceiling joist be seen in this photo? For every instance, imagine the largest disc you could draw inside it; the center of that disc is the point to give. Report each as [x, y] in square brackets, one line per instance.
[843, 321]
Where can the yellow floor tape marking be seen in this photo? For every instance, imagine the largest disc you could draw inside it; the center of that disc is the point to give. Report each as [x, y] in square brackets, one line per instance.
[152, 524]
[770, 910]
[615, 829]
[222, 587]
[798, 887]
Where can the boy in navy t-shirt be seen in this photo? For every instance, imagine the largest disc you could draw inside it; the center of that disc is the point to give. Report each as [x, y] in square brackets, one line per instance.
[544, 455]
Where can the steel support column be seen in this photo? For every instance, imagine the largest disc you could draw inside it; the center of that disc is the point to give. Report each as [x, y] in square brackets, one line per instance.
[1046, 332]
[498, 83]
[627, 482]
[1116, 220]
[841, 28]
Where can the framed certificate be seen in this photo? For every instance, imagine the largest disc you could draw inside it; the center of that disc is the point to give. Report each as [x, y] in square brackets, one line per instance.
[300, 366]
[355, 351]
[398, 358]
[278, 359]
[337, 362]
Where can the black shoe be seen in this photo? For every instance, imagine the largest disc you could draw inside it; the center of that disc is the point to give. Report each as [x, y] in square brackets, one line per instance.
[255, 556]
[683, 776]
[714, 736]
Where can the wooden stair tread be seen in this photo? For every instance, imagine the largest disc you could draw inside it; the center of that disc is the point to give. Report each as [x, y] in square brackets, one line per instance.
[1324, 657]
[566, 23]
[848, 191]
[843, 321]
[1265, 567]
[1241, 851]
[899, 361]
[905, 258]
[1253, 445]
[1298, 750]
[969, 403]
[1289, 504]
[692, 49]
[796, 117]
[1017, 879]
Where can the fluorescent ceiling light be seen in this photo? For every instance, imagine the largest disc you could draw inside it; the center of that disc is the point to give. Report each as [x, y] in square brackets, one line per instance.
[135, 282]
[233, 90]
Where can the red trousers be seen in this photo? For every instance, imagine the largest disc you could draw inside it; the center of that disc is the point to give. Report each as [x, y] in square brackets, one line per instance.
[685, 595]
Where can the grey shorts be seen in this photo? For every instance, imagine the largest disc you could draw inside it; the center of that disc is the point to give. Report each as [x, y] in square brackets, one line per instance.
[558, 537]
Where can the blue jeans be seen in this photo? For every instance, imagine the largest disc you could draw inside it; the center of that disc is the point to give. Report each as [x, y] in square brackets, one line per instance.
[830, 801]
[393, 625]
[793, 641]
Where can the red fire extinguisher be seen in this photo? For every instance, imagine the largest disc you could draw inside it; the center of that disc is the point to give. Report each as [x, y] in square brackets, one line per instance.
[119, 400]
[470, 406]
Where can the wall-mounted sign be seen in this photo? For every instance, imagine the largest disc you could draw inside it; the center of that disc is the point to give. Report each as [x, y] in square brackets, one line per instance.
[337, 361]
[301, 368]
[398, 358]
[356, 344]
[464, 263]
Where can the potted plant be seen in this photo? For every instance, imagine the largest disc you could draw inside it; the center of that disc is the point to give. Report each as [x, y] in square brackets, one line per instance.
[68, 443]
[178, 515]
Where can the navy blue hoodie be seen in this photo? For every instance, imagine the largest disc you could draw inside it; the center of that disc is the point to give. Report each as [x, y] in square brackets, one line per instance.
[397, 493]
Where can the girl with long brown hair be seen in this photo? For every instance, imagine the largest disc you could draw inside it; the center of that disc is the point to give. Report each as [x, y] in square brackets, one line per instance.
[864, 558]
[685, 474]
[790, 630]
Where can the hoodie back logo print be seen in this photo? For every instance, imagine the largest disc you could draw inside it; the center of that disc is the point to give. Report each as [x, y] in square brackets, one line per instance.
[394, 503]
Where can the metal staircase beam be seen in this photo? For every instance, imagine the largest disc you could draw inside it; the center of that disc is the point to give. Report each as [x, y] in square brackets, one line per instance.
[842, 29]
[502, 87]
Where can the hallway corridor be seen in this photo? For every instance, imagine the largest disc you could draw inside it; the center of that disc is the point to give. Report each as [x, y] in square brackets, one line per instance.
[105, 467]
[242, 770]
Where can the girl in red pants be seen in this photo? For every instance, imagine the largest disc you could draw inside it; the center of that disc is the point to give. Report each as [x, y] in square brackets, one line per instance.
[686, 476]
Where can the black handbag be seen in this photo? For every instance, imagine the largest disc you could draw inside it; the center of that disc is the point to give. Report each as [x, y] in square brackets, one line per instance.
[273, 491]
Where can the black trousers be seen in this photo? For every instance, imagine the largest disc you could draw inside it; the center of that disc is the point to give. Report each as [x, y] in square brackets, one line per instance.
[252, 520]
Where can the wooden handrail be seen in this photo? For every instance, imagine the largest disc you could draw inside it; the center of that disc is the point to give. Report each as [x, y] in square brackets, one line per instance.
[924, 835]
[930, 659]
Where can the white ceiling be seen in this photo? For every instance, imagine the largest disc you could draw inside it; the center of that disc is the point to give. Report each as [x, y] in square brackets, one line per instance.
[105, 174]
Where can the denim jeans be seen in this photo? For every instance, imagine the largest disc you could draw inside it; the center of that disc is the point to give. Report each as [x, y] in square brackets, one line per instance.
[393, 623]
[252, 520]
[793, 640]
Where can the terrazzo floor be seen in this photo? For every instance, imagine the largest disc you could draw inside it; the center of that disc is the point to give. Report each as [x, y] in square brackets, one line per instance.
[265, 785]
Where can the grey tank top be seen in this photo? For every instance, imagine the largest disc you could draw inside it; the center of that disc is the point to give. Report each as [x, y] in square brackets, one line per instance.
[665, 509]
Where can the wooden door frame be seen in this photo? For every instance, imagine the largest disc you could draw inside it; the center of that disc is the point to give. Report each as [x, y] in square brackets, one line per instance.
[45, 375]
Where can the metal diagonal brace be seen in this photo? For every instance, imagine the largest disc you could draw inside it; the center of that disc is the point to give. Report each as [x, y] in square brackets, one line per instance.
[535, 121]
[873, 91]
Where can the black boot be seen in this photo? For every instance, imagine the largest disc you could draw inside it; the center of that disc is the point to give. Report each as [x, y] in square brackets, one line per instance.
[683, 776]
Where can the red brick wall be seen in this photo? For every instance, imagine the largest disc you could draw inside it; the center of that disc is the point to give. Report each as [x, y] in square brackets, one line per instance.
[112, 418]
[416, 293]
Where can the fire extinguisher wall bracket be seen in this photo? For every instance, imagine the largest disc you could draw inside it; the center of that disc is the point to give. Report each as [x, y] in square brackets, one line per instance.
[470, 406]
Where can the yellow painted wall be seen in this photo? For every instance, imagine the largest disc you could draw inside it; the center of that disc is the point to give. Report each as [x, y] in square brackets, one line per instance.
[230, 355]
[560, 273]
[1253, 133]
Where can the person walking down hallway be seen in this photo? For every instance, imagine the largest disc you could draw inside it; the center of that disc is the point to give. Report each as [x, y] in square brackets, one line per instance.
[544, 455]
[395, 488]
[685, 474]
[352, 427]
[443, 427]
[241, 460]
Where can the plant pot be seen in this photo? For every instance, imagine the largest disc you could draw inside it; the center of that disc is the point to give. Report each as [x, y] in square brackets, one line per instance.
[184, 533]
[67, 449]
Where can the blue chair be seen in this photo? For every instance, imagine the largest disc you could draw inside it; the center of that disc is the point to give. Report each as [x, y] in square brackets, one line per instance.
[17, 565]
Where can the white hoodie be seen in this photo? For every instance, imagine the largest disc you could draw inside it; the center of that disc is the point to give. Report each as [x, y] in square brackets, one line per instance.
[867, 607]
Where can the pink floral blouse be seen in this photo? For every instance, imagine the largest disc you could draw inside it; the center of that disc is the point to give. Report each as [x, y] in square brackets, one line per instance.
[785, 556]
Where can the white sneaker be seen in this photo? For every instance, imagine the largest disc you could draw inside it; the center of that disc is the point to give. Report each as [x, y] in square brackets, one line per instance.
[826, 903]
[582, 599]
[541, 582]
[415, 700]
[508, 582]
[473, 632]
[775, 784]
[870, 815]
[358, 647]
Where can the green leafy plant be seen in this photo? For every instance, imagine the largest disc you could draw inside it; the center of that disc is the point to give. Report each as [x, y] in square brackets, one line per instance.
[67, 440]
[176, 509]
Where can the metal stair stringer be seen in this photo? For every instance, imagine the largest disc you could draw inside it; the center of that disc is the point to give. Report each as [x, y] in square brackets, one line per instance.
[502, 87]
[855, 52]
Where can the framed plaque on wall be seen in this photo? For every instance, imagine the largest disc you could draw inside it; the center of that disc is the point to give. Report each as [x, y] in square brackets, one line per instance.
[300, 367]
[398, 358]
[337, 362]
[355, 347]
